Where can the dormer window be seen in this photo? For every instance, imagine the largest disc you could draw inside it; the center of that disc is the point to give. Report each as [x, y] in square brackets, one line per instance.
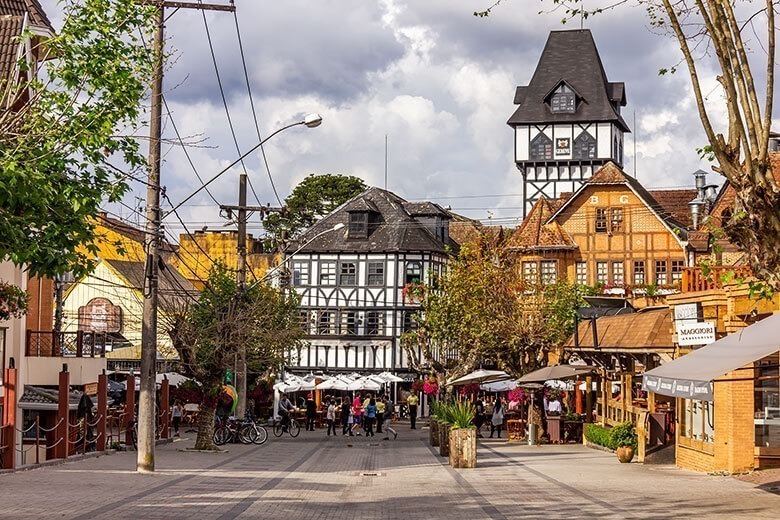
[563, 100]
[358, 224]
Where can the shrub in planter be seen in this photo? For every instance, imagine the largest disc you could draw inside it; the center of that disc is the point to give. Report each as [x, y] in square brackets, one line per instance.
[624, 441]
[598, 435]
[462, 436]
[444, 414]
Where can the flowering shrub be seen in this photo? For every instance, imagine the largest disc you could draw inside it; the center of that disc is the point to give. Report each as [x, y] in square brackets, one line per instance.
[553, 393]
[13, 301]
[417, 385]
[414, 292]
[519, 395]
[473, 388]
[430, 387]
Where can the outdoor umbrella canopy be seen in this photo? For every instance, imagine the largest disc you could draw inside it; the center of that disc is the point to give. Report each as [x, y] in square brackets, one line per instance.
[556, 372]
[364, 383]
[391, 378]
[481, 376]
[499, 386]
[174, 378]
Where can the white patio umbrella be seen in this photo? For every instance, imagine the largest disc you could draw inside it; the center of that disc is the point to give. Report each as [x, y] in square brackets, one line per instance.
[481, 376]
[499, 386]
[391, 378]
[174, 378]
[364, 383]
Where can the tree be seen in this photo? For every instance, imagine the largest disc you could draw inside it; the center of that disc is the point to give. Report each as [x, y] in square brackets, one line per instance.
[708, 31]
[208, 334]
[314, 197]
[63, 130]
[482, 311]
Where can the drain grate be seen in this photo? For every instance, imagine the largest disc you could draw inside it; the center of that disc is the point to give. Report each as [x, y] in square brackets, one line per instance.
[370, 474]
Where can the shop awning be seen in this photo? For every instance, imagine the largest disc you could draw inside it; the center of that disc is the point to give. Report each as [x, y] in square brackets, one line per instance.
[691, 376]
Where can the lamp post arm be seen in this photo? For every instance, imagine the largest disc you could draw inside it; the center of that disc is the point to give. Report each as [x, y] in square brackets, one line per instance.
[255, 147]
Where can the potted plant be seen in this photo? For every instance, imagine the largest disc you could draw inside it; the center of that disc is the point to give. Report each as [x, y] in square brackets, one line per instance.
[463, 436]
[444, 415]
[433, 430]
[624, 439]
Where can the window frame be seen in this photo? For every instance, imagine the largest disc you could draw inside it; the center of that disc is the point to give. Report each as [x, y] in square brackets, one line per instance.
[540, 148]
[584, 147]
[375, 323]
[602, 272]
[615, 272]
[530, 272]
[371, 282]
[661, 267]
[326, 327]
[330, 272]
[409, 276]
[348, 279]
[581, 273]
[676, 268]
[358, 224]
[601, 220]
[348, 323]
[300, 269]
[616, 219]
[639, 268]
[563, 93]
[547, 276]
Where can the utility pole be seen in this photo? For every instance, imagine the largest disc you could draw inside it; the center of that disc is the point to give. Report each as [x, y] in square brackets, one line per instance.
[147, 403]
[242, 209]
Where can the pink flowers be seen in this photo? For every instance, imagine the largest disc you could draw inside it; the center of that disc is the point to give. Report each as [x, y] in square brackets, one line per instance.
[430, 387]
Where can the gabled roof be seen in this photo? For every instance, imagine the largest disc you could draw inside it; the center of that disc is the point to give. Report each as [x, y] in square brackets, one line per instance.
[425, 208]
[393, 230]
[611, 174]
[361, 205]
[675, 203]
[10, 29]
[537, 232]
[131, 232]
[32, 8]
[171, 283]
[571, 57]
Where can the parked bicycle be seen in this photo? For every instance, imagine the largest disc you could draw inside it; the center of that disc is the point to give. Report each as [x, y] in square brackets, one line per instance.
[292, 427]
[231, 430]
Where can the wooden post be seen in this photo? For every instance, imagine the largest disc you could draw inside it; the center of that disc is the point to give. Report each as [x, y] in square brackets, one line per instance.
[9, 419]
[605, 395]
[102, 410]
[588, 399]
[63, 405]
[164, 407]
[577, 397]
[129, 410]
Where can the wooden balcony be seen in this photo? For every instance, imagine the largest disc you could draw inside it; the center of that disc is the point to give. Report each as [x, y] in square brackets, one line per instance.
[694, 278]
[49, 343]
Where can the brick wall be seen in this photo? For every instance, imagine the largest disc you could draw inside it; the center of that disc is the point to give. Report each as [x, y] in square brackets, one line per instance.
[689, 458]
[734, 428]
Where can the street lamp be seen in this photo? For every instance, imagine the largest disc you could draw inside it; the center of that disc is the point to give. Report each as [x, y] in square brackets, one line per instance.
[310, 121]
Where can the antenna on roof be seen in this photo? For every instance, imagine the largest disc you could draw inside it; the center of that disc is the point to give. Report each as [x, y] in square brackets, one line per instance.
[385, 162]
[582, 14]
[635, 143]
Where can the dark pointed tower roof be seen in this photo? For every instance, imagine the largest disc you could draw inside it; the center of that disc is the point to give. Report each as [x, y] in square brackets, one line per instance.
[570, 57]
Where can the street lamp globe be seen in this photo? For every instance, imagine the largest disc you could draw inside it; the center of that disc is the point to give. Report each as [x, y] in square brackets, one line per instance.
[312, 120]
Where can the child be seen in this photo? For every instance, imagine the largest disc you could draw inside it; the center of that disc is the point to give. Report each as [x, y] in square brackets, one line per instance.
[331, 417]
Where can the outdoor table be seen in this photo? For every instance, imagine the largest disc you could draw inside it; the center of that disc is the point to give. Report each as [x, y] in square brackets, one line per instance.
[554, 429]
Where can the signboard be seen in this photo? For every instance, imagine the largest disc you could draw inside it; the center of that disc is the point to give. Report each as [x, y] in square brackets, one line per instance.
[562, 146]
[695, 333]
[687, 314]
[687, 389]
[100, 315]
[91, 388]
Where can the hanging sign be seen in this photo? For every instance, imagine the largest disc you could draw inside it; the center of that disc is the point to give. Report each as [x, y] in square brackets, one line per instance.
[700, 333]
[562, 146]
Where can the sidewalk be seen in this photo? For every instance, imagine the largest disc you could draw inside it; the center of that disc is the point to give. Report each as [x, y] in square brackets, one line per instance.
[318, 477]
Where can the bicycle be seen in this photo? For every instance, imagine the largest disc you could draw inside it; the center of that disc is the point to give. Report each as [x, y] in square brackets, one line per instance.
[252, 432]
[293, 428]
[225, 430]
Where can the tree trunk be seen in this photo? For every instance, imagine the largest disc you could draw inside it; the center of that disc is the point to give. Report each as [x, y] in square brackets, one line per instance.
[205, 440]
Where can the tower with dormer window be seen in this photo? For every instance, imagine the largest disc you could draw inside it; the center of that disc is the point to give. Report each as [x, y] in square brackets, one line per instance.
[567, 123]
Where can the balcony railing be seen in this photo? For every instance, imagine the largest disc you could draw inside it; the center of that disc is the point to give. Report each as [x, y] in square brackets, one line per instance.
[695, 278]
[48, 343]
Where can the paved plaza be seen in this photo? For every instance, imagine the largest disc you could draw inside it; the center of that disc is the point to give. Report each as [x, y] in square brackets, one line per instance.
[316, 477]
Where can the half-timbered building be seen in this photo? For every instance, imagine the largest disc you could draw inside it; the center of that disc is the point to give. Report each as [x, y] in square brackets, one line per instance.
[567, 123]
[351, 281]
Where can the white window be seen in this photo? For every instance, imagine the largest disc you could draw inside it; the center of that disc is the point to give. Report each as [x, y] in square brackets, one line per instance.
[348, 273]
[661, 276]
[677, 270]
[375, 323]
[300, 273]
[581, 273]
[326, 324]
[639, 272]
[349, 322]
[617, 273]
[376, 274]
[530, 272]
[413, 272]
[563, 100]
[549, 272]
[327, 273]
[602, 272]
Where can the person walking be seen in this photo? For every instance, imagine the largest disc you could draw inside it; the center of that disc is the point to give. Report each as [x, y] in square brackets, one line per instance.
[479, 415]
[386, 418]
[176, 413]
[357, 410]
[380, 413]
[311, 412]
[346, 417]
[497, 421]
[369, 414]
[412, 401]
[331, 417]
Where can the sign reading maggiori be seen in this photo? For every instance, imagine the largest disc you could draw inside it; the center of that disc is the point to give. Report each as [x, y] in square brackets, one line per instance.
[700, 333]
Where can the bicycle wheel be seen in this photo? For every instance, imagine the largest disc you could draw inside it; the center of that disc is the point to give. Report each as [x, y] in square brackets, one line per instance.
[295, 429]
[278, 431]
[247, 434]
[262, 434]
[221, 436]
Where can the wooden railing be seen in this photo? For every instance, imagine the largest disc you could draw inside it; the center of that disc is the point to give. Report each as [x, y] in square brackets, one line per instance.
[699, 279]
[65, 344]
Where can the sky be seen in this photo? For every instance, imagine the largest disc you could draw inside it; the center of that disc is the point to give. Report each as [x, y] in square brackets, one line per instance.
[428, 78]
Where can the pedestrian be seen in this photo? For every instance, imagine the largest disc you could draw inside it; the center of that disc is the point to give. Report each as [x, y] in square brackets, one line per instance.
[346, 417]
[357, 409]
[369, 414]
[497, 420]
[479, 415]
[311, 412]
[331, 417]
[366, 402]
[412, 401]
[176, 413]
[380, 413]
[387, 417]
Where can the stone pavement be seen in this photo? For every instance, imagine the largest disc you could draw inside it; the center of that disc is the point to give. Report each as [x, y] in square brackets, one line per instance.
[316, 477]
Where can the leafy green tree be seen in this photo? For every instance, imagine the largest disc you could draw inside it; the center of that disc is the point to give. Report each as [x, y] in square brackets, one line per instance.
[736, 41]
[209, 334]
[313, 198]
[481, 310]
[68, 129]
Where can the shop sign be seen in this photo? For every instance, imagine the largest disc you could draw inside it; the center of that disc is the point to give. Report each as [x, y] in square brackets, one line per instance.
[687, 314]
[91, 388]
[563, 146]
[700, 333]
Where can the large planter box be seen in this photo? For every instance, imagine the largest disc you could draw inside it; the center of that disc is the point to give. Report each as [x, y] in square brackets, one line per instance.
[433, 433]
[463, 448]
[444, 439]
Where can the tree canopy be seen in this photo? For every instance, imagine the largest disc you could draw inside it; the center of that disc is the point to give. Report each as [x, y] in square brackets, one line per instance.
[68, 131]
[482, 311]
[314, 197]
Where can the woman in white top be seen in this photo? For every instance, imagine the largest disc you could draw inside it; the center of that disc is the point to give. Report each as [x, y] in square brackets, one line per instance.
[497, 420]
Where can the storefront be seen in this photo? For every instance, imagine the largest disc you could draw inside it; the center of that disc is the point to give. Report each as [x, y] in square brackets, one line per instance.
[728, 396]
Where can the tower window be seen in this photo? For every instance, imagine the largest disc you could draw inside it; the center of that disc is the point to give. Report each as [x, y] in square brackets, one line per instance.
[358, 224]
[541, 147]
[563, 100]
[584, 147]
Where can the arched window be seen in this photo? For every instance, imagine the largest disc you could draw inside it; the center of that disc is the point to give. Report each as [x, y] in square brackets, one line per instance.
[541, 148]
[563, 100]
[413, 272]
[584, 146]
